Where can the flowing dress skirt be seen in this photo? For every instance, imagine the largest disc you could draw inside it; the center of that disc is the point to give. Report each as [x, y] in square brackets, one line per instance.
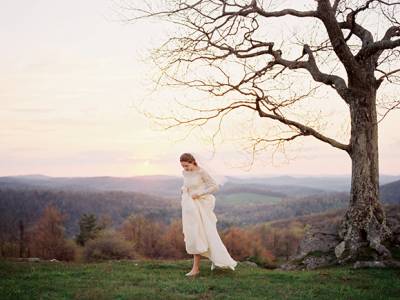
[199, 224]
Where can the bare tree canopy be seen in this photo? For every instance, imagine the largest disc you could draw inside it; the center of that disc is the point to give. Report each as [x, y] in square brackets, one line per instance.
[226, 49]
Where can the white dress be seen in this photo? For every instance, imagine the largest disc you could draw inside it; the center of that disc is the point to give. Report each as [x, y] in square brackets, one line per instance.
[199, 221]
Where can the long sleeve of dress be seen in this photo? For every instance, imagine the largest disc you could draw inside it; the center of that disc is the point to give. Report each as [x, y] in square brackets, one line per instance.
[184, 188]
[210, 186]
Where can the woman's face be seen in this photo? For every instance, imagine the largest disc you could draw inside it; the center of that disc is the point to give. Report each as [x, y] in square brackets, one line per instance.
[187, 166]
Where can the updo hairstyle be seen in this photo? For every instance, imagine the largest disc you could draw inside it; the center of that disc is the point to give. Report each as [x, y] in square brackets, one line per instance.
[187, 157]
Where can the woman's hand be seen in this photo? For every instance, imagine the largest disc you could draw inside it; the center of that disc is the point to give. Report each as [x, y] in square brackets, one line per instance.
[195, 196]
[184, 189]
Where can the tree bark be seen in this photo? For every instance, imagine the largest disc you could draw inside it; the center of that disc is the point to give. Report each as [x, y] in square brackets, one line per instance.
[364, 225]
[21, 238]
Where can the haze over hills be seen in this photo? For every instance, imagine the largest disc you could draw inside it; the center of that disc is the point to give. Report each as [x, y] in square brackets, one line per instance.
[169, 186]
[328, 183]
[166, 186]
[239, 202]
[390, 192]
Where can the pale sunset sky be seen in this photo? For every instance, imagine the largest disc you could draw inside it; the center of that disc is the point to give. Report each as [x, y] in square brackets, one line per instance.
[71, 74]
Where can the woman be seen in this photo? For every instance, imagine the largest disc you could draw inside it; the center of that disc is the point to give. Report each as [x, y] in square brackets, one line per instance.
[198, 218]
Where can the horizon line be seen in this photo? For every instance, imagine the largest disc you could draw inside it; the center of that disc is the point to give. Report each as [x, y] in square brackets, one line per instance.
[174, 175]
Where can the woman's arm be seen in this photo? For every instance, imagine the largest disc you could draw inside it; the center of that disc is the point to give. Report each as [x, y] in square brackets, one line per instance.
[184, 189]
[210, 185]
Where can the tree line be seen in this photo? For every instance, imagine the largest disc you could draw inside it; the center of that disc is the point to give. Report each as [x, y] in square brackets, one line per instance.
[139, 237]
[27, 205]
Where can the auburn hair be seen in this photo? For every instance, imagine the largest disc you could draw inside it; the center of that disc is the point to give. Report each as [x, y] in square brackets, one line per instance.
[187, 157]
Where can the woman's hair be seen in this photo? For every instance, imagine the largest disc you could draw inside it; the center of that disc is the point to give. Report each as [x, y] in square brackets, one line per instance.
[187, 157]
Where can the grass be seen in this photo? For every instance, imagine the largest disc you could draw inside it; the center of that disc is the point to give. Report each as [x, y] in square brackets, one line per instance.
[164, 279]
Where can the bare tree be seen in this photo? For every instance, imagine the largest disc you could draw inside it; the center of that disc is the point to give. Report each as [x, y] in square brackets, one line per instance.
[348, 56]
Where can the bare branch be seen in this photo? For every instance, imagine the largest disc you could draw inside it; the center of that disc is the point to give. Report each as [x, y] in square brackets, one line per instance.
[395, 105]
[254, 8]
[342, 50]
[335, 5]
[385, 43]
[305, 130]
[387, 74]
[220, 34]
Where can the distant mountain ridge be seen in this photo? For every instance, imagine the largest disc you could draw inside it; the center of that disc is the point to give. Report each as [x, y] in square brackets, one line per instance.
[169, 186]
[331, 183]
[390, 192]
[157, 185]
[237, 203]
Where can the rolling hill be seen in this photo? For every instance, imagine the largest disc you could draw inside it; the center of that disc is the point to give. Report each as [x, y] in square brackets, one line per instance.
[390, 192]
[238, 203]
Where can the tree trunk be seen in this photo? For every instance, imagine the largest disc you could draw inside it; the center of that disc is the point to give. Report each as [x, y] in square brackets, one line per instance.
[21, 238]
[364, 225]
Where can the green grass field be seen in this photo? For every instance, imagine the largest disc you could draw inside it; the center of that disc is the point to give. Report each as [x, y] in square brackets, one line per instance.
[248, 199]
[163, 279]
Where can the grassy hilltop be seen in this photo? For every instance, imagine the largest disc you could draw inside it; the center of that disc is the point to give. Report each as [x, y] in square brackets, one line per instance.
[162, 279]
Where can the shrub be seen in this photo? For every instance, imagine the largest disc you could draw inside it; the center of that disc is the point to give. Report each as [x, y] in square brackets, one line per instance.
[46, 238]
[68, 251]
[145, 234]
[245, 244]
[172, 242]
[108, 245]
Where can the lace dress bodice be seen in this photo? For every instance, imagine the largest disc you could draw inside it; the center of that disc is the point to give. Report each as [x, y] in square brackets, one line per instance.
[198, 182]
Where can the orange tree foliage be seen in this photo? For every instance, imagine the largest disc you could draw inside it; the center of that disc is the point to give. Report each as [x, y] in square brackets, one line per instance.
[47, 239]
[145, 234]
[173, 241]
[246, 244]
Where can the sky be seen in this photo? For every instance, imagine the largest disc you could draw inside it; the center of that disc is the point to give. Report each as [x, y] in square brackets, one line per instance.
[70, 75]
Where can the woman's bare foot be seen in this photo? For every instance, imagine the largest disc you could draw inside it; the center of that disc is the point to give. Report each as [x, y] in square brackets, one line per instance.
[196, 265]
[193, 273]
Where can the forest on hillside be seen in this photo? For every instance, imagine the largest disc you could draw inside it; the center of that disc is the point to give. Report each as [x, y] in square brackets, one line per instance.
[28, 204]
[137, 237]
[236, 204]
[270, 223]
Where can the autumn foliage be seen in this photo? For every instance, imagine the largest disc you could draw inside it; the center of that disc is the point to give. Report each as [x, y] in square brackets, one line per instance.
[47, 239]
[245, 244]
[108, 245]
[146, 235]
[140, 237]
